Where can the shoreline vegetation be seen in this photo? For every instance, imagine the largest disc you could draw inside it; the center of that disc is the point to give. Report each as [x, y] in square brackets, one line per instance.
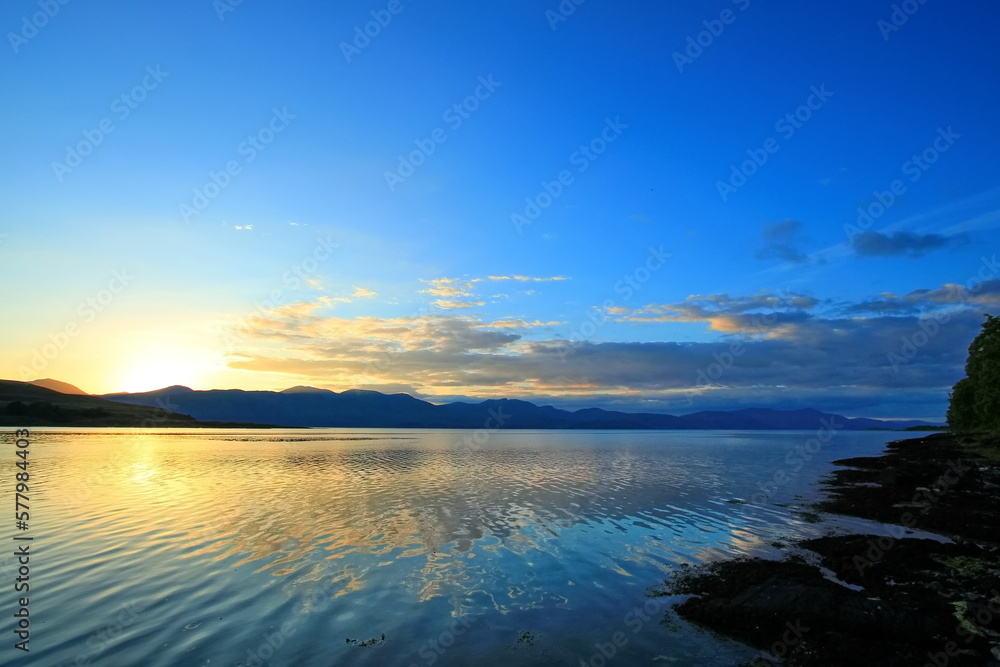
[887, 599]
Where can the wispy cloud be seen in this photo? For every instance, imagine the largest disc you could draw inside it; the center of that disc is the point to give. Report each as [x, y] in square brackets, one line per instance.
[723, 312]
[460, 293]
[909, 244]
[926, 300]
[528, 279]
[780, 240]
[516, 324]
[457, 304]
[449, 287]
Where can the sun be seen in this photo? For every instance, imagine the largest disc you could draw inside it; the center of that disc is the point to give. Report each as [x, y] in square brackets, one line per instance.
[156, 368]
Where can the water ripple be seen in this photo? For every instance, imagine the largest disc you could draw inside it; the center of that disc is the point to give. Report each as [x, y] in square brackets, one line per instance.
[165, 548]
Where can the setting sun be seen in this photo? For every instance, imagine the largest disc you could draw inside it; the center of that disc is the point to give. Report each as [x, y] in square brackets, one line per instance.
[162, 366]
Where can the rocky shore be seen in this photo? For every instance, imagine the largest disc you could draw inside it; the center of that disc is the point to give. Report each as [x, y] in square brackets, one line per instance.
[867, 599]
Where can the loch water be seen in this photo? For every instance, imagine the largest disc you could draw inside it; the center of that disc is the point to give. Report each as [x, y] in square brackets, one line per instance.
[325, 547]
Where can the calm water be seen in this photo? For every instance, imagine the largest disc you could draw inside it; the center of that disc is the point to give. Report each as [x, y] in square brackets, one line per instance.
[277, 547]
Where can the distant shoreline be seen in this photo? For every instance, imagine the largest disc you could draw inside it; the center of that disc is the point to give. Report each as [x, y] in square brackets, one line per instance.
[306, 407]
[6, 422]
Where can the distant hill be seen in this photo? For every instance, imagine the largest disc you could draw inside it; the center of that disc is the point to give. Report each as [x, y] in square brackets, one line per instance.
[306, 406]
[24, 404]
[304, 390]
[61, 387]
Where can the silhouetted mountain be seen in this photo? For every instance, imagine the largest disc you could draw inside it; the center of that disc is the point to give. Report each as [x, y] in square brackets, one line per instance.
[306, 406]
[61, 387]
[300, 389]
[28, 404]
[25, 404]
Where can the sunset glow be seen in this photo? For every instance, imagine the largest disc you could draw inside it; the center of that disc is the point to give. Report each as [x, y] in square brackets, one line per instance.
[651, 228]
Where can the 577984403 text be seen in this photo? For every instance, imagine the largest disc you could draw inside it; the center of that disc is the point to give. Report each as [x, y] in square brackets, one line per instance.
[22, 551]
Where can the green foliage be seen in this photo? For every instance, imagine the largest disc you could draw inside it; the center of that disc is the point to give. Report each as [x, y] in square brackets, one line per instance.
[974, 403]
[961, 407]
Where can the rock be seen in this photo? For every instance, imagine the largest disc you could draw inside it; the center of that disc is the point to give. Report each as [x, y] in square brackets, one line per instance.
[796, 602]
[912, 588]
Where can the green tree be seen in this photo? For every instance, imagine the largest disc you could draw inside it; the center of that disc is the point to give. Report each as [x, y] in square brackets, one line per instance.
[974, 403]
[961, 412]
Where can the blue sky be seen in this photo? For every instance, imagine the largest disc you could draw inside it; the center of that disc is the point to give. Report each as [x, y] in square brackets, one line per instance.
[251, 197]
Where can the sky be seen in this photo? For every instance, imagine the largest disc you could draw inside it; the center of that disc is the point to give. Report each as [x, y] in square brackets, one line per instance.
[660, 207]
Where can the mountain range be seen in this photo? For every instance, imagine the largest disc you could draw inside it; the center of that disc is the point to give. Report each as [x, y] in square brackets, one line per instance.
[37, 403]
[308, 406]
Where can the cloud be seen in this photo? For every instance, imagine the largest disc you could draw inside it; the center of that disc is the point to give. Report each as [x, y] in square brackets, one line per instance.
[517, 324]
[448, 287]
[783, 251]
[525, 279]
[986, 293]
[299, 310]
[300, 328]
[243, 227]
[780, 239]
[775, 349]
[748, 314]
[876, 244]
[454, 304]
[292, 315]
[885, 306]
[763, 300]
[946, 296]
[458, 294]
[786, 230]
[827, 359]
[362, 293]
